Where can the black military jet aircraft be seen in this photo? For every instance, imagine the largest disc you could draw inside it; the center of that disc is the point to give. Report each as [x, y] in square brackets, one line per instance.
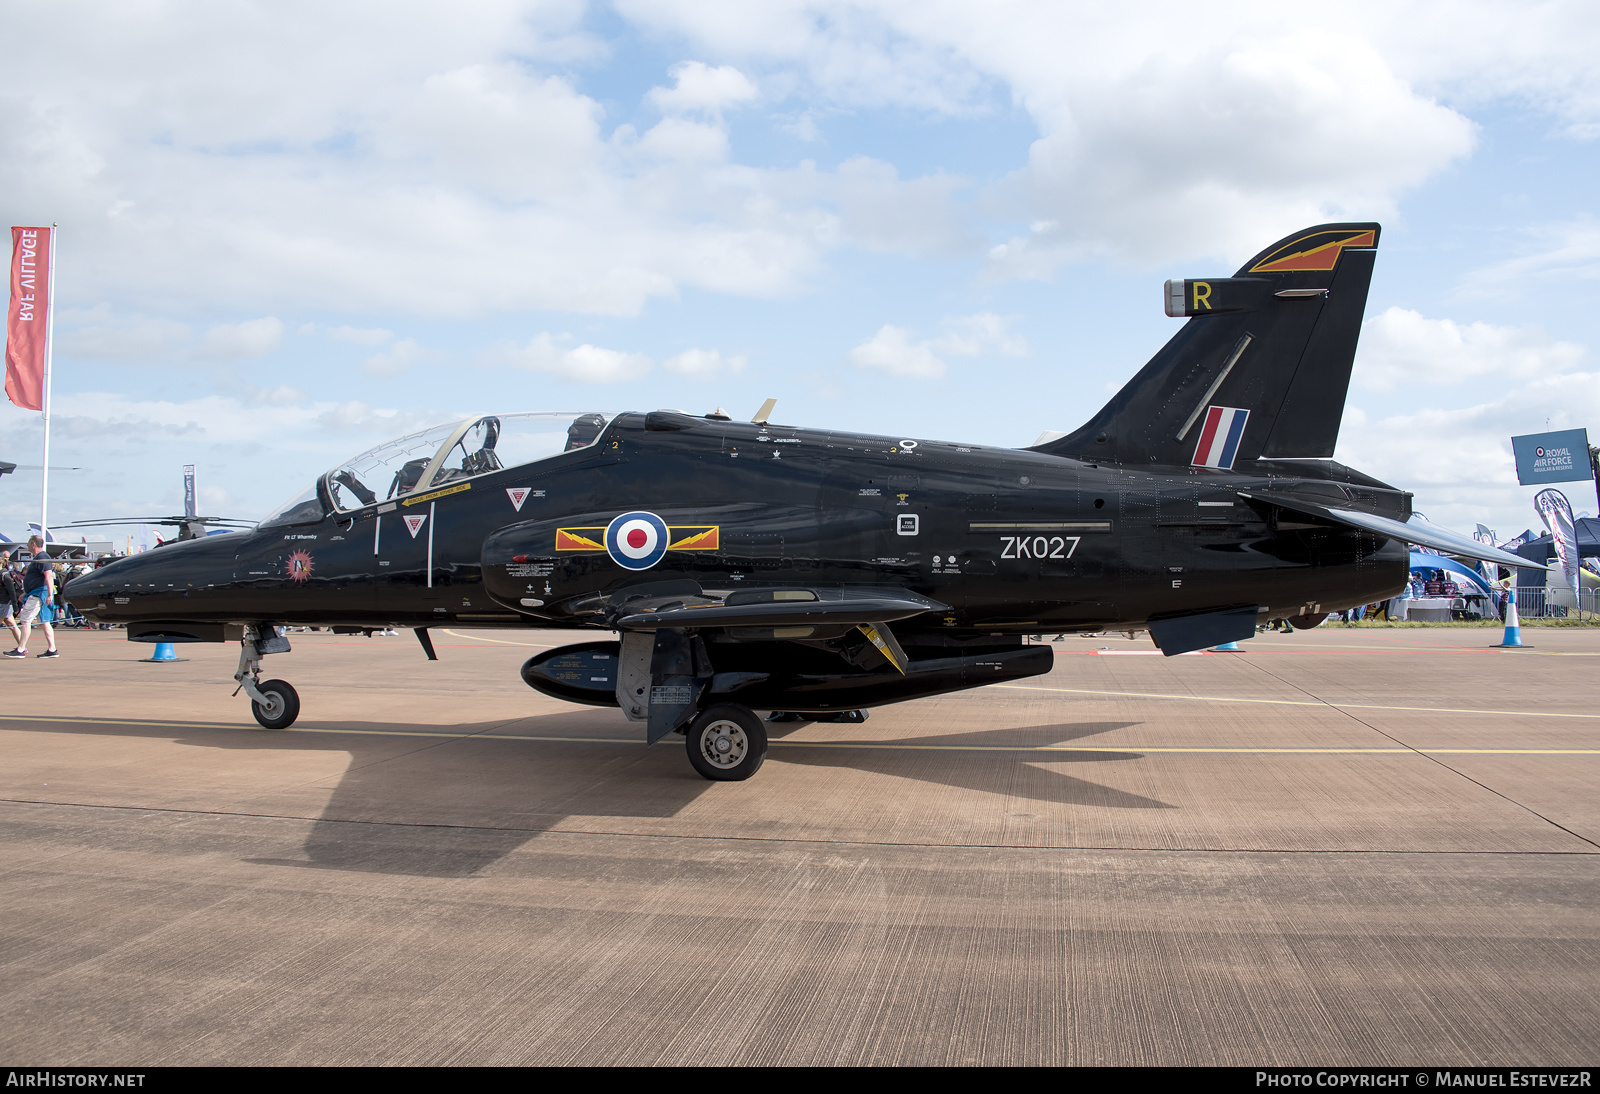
[752, 566]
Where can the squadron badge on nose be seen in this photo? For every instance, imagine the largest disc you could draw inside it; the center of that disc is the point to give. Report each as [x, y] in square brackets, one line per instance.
[299, 566]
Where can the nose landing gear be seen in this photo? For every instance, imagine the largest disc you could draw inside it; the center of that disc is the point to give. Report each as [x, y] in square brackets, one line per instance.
[274, 703]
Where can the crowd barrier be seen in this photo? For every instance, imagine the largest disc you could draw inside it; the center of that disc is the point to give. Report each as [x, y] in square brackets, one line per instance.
[1533, 603]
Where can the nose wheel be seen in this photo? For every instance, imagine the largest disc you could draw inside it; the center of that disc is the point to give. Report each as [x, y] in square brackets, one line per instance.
[273, 702]
[281, 705]
[727, 743]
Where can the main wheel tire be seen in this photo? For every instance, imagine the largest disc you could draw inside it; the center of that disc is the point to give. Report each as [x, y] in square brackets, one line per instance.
[282, 707]
[727, 743]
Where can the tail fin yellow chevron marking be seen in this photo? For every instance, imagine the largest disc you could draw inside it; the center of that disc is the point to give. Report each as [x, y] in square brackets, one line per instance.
[1318, 251]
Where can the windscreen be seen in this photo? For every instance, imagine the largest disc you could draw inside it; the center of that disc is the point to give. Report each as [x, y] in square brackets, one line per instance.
[303, 508]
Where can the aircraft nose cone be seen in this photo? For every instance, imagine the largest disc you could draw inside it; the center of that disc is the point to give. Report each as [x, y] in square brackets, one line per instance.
[86, 590]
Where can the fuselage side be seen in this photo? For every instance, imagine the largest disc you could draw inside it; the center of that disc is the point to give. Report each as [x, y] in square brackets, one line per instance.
[1010, 540]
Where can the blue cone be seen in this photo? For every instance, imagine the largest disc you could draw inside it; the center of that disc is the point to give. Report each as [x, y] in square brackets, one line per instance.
[1227, 647]
[165, 652]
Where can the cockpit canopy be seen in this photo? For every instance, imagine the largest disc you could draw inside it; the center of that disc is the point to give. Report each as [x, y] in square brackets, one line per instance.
[441, 455]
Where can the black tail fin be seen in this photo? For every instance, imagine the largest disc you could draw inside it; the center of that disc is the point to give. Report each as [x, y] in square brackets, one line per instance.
[1259, 370]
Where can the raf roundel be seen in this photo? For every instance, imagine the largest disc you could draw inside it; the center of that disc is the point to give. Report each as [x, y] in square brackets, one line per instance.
[636, 541]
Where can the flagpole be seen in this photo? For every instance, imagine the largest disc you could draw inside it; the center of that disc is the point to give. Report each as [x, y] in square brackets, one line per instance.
[49, 350]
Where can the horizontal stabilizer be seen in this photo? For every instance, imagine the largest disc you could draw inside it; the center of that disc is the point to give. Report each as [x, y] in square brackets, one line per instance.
[1416, 530]
[787, 608]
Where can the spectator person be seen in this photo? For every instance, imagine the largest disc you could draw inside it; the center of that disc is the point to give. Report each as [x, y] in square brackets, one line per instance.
[38, 600]
[10, 595]
[1399, 609]
[66, 615]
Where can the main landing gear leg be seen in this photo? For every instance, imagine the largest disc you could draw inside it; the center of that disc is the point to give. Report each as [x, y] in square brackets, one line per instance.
[274, 703]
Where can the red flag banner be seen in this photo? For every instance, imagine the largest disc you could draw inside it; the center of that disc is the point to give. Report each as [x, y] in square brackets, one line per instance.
[27, 319]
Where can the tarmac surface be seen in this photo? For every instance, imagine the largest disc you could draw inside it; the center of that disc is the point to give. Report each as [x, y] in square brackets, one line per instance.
[1337, 847]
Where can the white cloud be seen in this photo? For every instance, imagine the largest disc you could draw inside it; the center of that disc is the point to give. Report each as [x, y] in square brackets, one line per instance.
[702, 364]
[214, 499]
[699, 87]
[893, 351]
[1162, 136]
[495, 128]
[1540, 55]
[586, 363]
[802, 126]
[1403, 347]
[680, 139]
[282, 395]
[100, 334]
[103, 334]
[983, 333]
[394, 360]
[596, 365]
[850, 52]
[883, 212]
[1458, 462]
[1569, 250]
[362, 336]
[451, 166]
[411, 164]
[1217, 148]
[252, 338]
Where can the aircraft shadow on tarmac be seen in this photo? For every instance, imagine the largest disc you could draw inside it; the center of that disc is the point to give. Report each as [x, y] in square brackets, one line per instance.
[455, 799]
[998, 771]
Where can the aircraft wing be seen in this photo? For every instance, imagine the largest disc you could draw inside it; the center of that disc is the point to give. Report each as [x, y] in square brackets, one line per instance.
[785, 608]
[1416, 531]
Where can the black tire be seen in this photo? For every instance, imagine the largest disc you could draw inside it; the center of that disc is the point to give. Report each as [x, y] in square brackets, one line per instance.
[285, 707]
[727, 743]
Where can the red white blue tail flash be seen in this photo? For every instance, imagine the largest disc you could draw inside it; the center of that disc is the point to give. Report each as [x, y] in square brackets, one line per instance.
[1219, 440]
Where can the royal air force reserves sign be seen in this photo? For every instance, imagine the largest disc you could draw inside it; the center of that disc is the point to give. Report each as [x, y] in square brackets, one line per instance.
[636, 541]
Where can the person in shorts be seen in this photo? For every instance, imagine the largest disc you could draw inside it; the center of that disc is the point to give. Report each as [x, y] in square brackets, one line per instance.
[38, 600]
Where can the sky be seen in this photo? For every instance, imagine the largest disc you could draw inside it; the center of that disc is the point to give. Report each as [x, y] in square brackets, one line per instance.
[289, 231]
